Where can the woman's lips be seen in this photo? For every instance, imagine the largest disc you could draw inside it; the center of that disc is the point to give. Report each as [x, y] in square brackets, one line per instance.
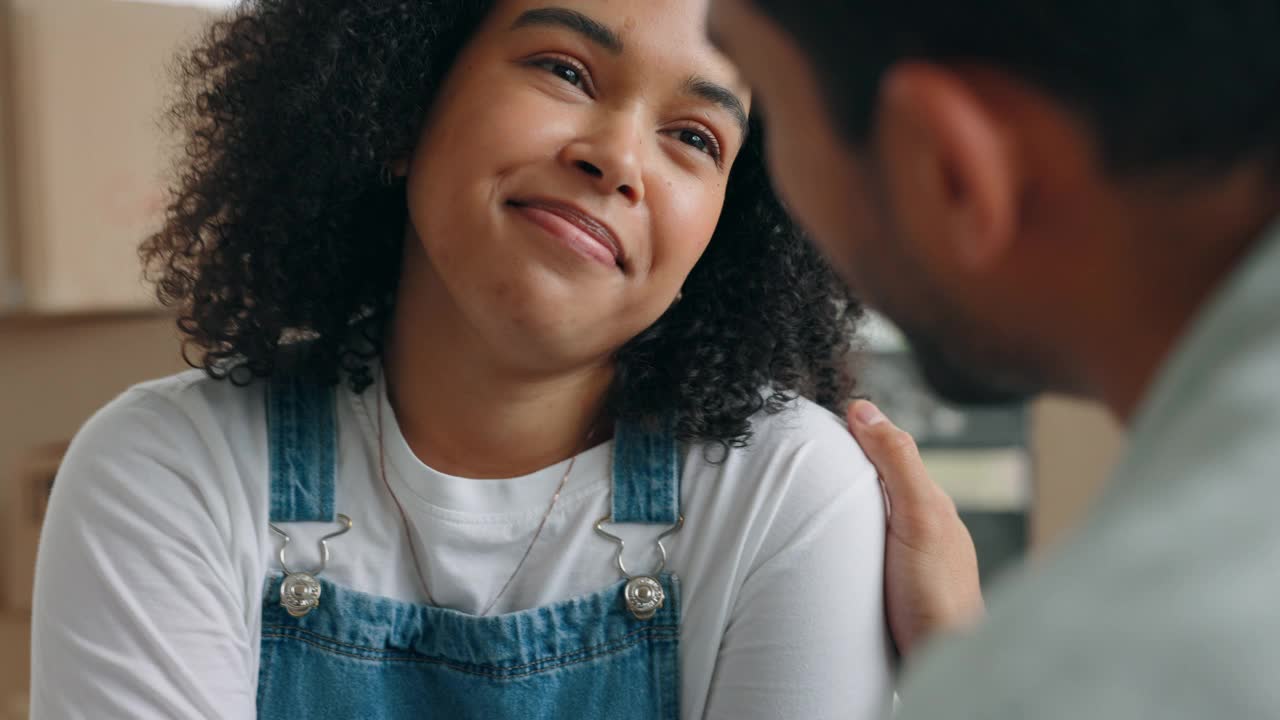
[575, 227]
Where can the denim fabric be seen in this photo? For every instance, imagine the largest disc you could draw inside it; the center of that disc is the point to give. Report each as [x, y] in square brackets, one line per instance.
[303, 440]
[646, 475]
[360, 656]
[375, 658]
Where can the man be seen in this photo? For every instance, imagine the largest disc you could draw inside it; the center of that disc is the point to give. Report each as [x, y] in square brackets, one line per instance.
[1082, 197]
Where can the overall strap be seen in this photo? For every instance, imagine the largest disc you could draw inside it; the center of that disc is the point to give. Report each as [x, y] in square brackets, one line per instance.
[302, 433]
[646, 474]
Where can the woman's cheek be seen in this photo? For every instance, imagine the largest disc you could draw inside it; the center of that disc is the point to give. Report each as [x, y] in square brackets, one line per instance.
[688, 224]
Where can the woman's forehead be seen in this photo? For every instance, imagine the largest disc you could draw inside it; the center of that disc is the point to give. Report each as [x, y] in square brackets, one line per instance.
[672, 31]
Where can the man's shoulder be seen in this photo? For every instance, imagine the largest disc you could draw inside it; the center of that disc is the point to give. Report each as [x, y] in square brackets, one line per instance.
[1167, 618]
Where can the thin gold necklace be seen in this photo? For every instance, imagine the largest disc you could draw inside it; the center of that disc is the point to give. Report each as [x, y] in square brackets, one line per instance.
[404, 518]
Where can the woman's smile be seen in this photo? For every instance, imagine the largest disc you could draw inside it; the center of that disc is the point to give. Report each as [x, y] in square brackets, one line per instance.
[576, 229]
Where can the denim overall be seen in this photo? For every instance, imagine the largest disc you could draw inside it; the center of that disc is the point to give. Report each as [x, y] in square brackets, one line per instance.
[362, 656]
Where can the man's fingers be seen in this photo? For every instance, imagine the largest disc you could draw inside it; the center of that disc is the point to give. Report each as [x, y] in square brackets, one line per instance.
[931, 569]
[894, 453]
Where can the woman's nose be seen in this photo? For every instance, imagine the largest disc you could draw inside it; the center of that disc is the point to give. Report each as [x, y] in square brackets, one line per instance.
[610, 155]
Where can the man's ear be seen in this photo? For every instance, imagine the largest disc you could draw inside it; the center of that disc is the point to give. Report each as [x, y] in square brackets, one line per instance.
[949, 165]
[399, 168]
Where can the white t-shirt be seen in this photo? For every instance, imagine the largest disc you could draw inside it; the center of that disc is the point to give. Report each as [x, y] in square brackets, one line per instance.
[155, 548]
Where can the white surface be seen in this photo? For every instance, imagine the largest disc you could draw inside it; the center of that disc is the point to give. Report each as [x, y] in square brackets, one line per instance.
[156, 546]
[983, 479]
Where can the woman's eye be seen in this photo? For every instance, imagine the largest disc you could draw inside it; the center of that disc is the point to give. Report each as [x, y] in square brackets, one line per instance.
[563, 70]
[700, 141]
[695, 139]
[568, 74]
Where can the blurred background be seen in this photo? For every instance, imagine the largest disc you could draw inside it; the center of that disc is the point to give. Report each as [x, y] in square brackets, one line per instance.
[83, 162]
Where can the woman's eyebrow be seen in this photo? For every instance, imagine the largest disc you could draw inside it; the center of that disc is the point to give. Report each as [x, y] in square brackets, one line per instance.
[600, 34]
[721, 96]
[593, 30]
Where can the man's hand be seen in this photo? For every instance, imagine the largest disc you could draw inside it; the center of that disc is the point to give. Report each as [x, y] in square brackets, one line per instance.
[931, 568]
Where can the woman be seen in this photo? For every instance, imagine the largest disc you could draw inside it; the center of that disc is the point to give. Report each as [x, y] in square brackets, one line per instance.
[466, 269]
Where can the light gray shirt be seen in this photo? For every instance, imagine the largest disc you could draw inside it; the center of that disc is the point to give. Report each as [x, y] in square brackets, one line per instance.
[1166, 602]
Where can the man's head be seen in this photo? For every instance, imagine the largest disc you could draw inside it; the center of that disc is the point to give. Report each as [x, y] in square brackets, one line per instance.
[1004, 179]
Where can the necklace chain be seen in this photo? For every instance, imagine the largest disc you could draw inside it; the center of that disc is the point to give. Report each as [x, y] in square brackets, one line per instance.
[408, 535]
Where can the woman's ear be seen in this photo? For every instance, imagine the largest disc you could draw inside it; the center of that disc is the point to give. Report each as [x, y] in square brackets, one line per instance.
[949, 166]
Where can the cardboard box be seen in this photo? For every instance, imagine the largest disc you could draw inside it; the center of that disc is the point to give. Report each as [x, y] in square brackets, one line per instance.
[8, 222]
[15, 666]
[88, 83]
[25, 499]
[1077, 445]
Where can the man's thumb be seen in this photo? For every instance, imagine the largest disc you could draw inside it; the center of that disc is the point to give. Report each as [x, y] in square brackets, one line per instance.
[893, 452]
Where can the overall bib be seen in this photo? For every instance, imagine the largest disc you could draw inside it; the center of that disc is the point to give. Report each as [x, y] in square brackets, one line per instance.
[357, 655]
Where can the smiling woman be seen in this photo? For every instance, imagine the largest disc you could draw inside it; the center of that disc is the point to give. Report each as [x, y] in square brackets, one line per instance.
[499, 286]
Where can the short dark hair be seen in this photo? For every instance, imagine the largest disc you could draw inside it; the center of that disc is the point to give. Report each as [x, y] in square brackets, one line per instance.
[282, 225]
[1165, 84]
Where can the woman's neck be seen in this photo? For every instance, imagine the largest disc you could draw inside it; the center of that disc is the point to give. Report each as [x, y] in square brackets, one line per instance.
[465, 412]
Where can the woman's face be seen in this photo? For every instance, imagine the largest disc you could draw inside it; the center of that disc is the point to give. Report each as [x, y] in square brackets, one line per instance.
[571, 172]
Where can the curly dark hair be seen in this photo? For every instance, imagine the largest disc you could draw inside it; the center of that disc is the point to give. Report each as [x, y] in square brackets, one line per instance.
[282, 226]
